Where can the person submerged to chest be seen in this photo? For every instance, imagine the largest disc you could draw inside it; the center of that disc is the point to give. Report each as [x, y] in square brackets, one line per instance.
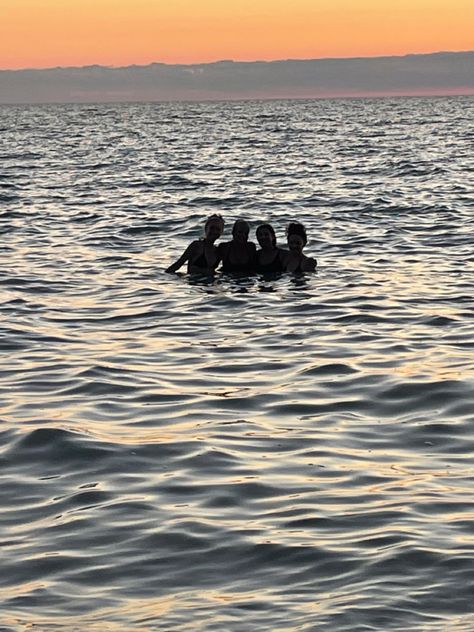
[238, 255]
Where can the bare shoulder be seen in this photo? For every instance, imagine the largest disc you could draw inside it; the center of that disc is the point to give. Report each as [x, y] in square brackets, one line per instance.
[195, 246]
[223, 247]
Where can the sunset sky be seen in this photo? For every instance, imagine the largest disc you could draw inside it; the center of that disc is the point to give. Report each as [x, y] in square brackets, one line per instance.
[48, 33]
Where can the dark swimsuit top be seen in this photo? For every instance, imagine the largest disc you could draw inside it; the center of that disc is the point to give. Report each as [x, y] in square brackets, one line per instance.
[275, 265]
[201, 262]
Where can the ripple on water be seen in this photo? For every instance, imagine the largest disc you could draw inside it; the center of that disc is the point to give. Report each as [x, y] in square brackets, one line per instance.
[288, 453]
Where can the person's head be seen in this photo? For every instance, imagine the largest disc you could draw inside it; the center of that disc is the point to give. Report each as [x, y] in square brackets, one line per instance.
[296, 236]
[266, 236]
[214, 227]
[240, 231]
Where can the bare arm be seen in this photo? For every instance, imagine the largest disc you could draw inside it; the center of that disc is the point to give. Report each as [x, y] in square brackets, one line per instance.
[309, 264]
[221, 252]
[182, 260]
[291, 262]
[252, 255]
[283, 256]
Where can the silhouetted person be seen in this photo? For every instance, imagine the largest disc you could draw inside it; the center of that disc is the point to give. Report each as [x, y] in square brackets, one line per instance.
[238, 255]
[201, 254]
[270, 258]
[296, 261]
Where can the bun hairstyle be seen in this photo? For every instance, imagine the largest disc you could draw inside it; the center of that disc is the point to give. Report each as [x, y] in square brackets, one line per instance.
[295, 228]
[215, 218]
[268, 227]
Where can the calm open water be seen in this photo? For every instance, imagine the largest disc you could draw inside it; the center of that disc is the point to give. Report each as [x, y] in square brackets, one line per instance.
[290, 454]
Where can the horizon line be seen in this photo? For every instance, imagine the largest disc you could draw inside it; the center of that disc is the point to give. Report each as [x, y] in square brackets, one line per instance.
[237, 61]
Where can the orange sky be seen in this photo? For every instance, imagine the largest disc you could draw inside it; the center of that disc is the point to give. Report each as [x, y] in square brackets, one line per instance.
[45, 33]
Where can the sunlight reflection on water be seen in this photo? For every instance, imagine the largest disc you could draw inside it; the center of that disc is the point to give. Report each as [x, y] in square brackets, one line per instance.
[208, 454]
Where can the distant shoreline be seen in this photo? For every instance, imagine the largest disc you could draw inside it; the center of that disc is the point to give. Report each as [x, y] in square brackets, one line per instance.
[235, 61]
[414, 75]
[388, 97]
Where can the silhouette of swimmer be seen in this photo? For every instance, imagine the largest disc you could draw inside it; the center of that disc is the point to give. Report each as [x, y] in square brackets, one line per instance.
[201, 254]
[296, 261]
[270, 258]
[238, 255]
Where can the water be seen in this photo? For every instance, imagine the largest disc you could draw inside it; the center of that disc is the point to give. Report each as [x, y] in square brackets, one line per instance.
[290, 454]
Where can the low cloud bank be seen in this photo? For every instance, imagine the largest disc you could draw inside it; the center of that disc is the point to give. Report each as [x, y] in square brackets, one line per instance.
[437, 73]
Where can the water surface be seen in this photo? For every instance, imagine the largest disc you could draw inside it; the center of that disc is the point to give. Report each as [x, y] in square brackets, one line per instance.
[186, 454]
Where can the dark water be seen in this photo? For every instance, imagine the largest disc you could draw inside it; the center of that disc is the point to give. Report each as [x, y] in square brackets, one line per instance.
[291, 454]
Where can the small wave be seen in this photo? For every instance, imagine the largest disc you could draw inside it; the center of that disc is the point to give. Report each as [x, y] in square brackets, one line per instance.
[329, 369]
[191, 451]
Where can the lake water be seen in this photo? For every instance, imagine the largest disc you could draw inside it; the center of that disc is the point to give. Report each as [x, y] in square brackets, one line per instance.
[287, 454]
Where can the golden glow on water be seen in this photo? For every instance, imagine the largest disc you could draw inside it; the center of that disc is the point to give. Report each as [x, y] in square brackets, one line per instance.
[152, 608]
[184, 454]
[21, 589]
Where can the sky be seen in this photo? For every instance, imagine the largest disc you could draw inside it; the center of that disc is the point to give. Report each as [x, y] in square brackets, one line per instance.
[50, 33]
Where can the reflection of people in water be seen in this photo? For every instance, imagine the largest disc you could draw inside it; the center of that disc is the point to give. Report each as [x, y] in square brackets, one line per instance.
[269, 258]
[201, 254]
[238, 255]
[296, 261]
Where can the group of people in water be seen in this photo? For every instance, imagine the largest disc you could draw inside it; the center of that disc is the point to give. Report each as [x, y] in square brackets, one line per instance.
[241, 255]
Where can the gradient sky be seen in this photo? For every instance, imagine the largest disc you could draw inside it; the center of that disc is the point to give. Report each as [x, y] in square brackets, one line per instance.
[45, 33]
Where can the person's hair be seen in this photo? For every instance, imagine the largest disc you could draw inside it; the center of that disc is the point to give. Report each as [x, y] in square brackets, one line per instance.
[295, 228]
[214, 218]
[243, 222]
[270, 229]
